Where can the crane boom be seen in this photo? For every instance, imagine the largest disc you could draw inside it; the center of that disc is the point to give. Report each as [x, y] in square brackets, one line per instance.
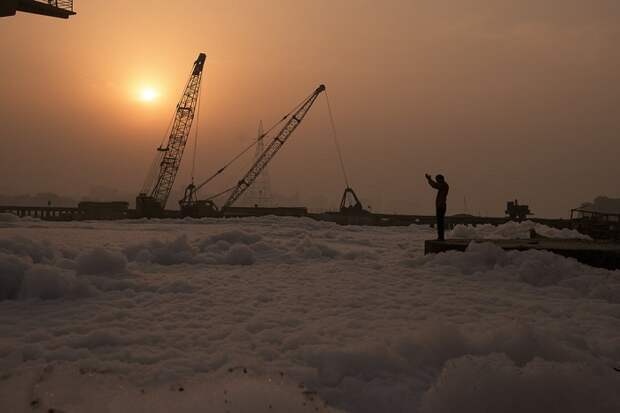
[154, 195]
[273, 147]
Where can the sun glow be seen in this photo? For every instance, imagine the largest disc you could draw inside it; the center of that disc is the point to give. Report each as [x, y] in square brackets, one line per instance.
[148, 94]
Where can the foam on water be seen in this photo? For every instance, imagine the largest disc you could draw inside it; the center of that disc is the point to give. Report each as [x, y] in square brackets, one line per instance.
[283, 312]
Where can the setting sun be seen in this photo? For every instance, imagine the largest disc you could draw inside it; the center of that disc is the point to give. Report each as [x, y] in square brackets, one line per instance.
[148, 94]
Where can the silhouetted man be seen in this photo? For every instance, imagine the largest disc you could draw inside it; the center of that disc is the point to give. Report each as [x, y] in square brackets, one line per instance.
[442, 188]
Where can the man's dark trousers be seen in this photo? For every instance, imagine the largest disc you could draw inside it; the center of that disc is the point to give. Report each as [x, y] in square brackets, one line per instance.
[441, 215]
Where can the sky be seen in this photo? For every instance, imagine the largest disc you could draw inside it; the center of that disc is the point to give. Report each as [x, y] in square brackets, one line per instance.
[507, 99]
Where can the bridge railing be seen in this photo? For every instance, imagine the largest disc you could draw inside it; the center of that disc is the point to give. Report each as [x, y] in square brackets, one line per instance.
[61, 4]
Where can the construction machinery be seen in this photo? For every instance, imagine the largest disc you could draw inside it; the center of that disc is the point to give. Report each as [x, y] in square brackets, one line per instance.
[597, 224]
[516, 211]
[350, 203]
[151, 202]
[192, 206]
[53, 8]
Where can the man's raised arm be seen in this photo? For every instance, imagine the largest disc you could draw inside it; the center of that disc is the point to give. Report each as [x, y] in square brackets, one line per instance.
[431, 182]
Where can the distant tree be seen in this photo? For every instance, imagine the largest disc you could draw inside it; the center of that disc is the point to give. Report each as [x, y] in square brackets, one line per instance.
[603, 204]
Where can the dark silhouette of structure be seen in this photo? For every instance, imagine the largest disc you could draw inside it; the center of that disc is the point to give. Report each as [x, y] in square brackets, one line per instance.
[598, 225]
[350, 203]
[54, 8]
[442, 188]
[517, 212]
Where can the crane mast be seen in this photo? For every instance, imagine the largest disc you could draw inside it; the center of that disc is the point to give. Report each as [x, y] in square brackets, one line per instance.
[154, 195]
[273, 147]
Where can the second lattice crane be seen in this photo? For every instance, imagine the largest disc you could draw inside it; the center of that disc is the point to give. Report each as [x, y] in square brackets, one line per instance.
[194, 207]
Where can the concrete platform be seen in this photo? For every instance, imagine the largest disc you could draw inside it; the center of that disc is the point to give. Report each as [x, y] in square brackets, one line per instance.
[594, 253]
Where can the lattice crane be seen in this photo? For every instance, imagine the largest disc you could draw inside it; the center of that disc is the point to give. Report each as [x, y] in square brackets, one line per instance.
[156, 189]
[273, 148]
[191, 206]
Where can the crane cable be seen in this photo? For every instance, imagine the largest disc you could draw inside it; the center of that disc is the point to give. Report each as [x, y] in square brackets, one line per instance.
[222, 169]
[221, 193]
[244, 151]
[336, 142]
[150, 177]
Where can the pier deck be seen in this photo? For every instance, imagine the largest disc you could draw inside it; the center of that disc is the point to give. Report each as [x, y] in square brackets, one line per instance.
[595, 253]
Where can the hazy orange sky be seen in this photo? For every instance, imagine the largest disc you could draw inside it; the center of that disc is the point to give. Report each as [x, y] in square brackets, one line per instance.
[508, 99]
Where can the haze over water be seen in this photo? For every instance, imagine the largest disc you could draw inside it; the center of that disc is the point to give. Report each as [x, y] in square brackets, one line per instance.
[507, 99]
